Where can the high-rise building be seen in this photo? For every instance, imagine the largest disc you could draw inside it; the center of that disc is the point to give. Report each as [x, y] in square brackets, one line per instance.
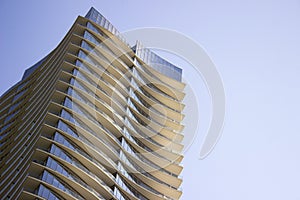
[94, 119]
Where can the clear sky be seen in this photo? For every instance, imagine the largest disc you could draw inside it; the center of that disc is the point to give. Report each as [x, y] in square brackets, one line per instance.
[256, 48]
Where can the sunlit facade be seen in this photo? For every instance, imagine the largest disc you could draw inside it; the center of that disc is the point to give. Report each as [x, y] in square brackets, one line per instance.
[94, 119]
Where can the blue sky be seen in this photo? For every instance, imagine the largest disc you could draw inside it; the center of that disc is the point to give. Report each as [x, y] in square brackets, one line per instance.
[255, 46]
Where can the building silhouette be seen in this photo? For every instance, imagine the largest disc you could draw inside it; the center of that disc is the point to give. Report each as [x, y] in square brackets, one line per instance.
[94, 119]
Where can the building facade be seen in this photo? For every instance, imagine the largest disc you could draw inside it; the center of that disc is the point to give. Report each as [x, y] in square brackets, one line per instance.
[94, 119]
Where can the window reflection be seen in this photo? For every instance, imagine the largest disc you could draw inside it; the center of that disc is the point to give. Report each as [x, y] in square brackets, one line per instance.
[46, 193]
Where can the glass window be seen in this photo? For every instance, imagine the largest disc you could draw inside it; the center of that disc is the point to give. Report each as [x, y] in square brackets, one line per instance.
[14, 106]
[51, 179]
[87, 35]
[90, 26]
[46, 193]
[85, 68]
[85, 57]
[66, 115]
[118, 194]
[62, 140]
[86, 46]
[122, 184]
[17, 96]
[64, 127]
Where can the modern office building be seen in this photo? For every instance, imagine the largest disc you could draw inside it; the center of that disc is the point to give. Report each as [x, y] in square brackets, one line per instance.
[94, 119]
